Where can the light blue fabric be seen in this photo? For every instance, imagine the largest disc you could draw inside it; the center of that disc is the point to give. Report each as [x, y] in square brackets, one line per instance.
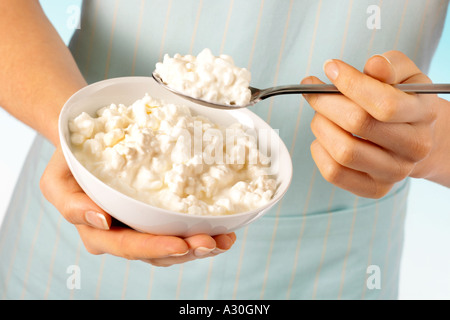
[319, 242]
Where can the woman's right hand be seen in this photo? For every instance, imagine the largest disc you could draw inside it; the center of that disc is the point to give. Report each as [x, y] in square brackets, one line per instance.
[101, 236]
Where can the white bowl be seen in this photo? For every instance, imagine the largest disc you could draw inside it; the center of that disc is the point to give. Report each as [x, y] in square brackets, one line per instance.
[139, 215]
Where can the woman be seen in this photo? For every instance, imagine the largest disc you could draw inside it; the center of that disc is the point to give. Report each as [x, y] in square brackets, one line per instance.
[337, 234]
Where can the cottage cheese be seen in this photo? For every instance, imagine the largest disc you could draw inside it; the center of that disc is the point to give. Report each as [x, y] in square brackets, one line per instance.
[206, 77]
[163, 155]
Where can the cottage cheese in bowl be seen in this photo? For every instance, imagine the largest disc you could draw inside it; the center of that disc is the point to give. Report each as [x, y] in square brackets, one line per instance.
[207, 77]
[106, 140]
[162, 154]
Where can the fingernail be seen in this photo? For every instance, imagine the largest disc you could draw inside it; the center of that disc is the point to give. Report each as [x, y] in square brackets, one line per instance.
[218, 251]
[179, 254]
[331, 69]
[202, 251]
[96, 220]
[381, 56]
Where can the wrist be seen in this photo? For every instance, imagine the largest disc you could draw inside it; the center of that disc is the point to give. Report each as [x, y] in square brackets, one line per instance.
[436, 167]
[47, 116]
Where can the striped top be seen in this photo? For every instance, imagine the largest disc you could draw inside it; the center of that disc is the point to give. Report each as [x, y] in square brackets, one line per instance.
[319, 242]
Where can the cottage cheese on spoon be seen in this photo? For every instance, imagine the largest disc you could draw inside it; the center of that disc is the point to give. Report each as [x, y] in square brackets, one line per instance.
[207, 77]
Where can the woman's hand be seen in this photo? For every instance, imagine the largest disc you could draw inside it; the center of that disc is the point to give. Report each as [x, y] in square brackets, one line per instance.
[373, 135]
[100, 236]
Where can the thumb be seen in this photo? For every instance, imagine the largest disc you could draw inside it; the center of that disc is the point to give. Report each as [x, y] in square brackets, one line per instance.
[380, 68]
[394, 67]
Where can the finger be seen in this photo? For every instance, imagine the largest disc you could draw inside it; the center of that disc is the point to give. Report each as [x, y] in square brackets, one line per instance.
[131, 244]
[354, 119]
[359, 154]
[224, 242]
[382, 101]
[359, 183]
[341, 110]
[61, 189]
[201, 244]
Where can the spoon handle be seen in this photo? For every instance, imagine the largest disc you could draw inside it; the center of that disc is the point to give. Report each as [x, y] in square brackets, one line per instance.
[329, 88]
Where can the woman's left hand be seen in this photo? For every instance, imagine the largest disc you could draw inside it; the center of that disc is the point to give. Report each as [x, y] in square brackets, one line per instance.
[372, 135]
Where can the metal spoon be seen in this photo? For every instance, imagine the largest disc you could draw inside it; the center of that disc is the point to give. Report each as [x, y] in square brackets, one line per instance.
[258, 95]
